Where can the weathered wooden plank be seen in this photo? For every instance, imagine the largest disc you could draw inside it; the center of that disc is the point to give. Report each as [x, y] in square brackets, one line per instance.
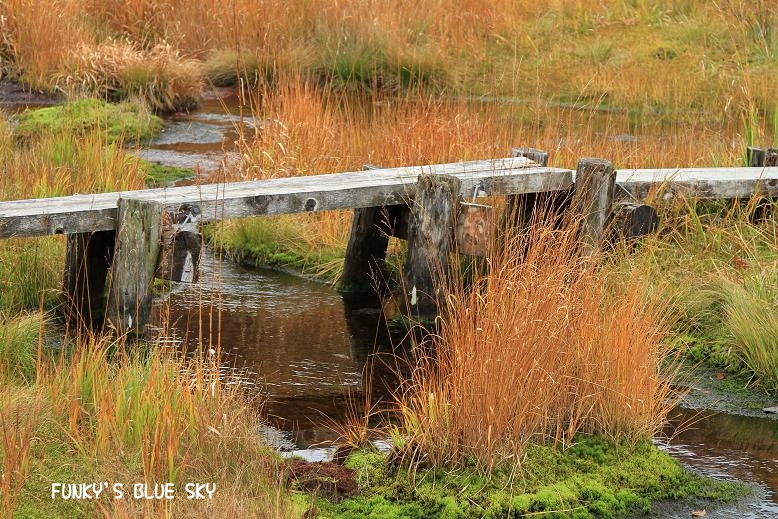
[592, 201]
[430, 238]
[87, 261]
[136, 252]
[700, 182]
[182, 243]
[86, 213]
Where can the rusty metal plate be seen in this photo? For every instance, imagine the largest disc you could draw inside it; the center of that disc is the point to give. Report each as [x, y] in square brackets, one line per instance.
[475, 226]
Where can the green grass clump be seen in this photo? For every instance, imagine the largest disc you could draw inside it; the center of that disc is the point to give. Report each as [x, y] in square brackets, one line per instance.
[287, 241]
[593, 478]
[161, 175]
[751, 315]
[19, 338]
[128, 121]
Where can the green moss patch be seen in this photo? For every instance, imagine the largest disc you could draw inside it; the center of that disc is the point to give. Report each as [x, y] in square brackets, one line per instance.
[593, 478]
[129, 121]
[161, 175]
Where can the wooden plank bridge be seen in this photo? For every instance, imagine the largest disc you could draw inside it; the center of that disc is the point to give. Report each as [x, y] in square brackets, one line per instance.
[137, 235]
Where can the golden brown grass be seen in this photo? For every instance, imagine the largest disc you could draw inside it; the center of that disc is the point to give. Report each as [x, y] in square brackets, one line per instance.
[98, 412]
[541, 348]
[679, 59]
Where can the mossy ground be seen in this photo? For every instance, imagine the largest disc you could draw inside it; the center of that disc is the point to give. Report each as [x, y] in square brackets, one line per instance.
[592, 478]
[127, 122]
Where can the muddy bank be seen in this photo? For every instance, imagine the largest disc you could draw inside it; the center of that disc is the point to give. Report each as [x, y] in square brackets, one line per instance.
[710, 389]
[17, 97]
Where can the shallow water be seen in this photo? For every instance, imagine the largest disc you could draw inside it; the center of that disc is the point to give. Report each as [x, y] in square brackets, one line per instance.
[202, 140]
[304, 344]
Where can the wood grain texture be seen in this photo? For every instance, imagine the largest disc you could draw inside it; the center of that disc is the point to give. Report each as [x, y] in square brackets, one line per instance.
[430, 239]
[592, 201]
[137, 247]
[86, 213]
[382, 187]
[705, 183]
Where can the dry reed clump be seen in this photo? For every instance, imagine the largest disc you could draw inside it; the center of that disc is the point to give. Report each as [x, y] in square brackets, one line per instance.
[540, 349]
[120, 69]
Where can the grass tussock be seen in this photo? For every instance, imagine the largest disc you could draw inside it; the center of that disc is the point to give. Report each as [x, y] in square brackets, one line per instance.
[118, 70]
[717, 269]
[542, 348]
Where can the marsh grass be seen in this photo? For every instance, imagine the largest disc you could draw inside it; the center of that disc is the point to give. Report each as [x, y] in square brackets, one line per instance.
[101, 409]
[679, 60]
[537, 350]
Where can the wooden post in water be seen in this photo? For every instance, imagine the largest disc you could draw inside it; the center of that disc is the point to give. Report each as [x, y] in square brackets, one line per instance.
[430, 239]
[592, 201]
[138, 238]
[87, 260]
[363, 266]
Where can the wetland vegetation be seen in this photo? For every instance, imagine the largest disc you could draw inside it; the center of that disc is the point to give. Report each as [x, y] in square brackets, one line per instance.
[513, 417]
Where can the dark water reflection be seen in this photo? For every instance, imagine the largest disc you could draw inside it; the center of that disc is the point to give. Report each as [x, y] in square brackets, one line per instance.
[729, 447]
[298, 340]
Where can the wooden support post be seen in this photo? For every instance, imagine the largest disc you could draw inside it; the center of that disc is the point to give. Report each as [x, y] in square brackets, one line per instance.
[430, 238]
[763, 158]
[137, 248]
[631, 220]
[87, 260]
[520, 208]
[592, 201]
[366, 250]
[364, 265]
[182, 243]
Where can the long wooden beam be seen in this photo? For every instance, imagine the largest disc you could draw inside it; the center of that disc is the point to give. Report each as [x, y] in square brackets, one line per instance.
[382, 187]
[700, 182]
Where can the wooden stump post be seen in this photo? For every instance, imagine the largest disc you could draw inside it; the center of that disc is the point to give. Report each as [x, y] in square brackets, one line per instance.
[87, 260]
[592, 201]
[631, 220]
[138, 238]
[366, 250]
[430, 239]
